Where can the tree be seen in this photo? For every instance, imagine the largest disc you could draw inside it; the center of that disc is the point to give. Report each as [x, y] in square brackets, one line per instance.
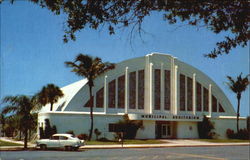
[21, 106]
[49, 94]
[216, 15]
[89, 67]
[204, 128]
[238, 86]
[3, 122]
[129, 127]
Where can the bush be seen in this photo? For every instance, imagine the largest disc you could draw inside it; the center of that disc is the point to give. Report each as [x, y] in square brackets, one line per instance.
[242, 134]
[83, 136]
[204, 129]
[49, 131]
[129, 127]
[97, 133]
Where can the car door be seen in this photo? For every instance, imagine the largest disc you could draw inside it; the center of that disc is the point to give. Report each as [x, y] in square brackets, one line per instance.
[54, 142]
[64, 141]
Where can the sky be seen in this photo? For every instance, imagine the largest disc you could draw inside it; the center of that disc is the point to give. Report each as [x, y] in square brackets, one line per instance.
[33, 52]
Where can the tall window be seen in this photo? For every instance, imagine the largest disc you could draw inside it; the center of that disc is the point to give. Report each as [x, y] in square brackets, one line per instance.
[182, 92]
[99, 98]
[205, 99]
[214, 104]
[221, 109]
[121, 91]
[157, 89]
[167, 90]
[112, 94]
[198, 96]
[132, 90]
[189, 94]
[141, 89]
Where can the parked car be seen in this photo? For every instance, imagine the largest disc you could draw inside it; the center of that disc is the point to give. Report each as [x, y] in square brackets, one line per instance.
[66, 141]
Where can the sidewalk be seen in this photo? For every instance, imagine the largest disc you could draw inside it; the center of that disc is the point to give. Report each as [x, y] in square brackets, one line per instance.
[169, 143]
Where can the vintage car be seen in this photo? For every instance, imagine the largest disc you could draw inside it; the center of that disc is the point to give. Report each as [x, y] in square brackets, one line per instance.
[66, 141]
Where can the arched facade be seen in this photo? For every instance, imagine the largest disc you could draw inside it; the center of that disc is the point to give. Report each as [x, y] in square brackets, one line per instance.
[170, 97]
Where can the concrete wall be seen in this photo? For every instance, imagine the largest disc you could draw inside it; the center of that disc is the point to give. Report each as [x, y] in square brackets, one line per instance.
[80, 123]
[148, 131]
[221, 126]
[187, 130]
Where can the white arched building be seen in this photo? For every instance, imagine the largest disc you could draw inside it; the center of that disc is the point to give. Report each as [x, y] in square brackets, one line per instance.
[168, 95]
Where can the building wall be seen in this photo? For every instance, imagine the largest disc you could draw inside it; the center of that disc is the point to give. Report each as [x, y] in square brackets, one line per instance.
[148, 130]
[187, 130]
[221, 126]
[80, 123]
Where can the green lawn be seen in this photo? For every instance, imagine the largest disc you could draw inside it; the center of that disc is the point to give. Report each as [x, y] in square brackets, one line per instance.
[224, 140]
[4, 143]
[137, 141]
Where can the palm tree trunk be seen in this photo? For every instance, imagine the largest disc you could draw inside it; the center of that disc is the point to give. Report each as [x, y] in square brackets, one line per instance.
[51, 106]
[238, 111]
[91, 113]
[25, 138]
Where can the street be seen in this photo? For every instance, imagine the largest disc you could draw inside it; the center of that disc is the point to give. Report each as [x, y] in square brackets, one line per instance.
[173, 153]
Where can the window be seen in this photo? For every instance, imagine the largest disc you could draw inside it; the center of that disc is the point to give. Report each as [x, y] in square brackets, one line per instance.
[112, 94]
[89, 102]
[121, 91]
[55, 137]
[198, 96]
[157, 90]
[63, 138]
[221, 109]
[132, 90]
[100, 98]
[214, 104]
[141, 89]
[205, 99]
[189, 94]
[167, 90]
[182, 92]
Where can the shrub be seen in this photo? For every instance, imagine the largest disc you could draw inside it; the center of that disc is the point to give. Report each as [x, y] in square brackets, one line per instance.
[204, 128]
[129, 127]
[97, 133]
[83, 136]
[49, 131]
[242, 134]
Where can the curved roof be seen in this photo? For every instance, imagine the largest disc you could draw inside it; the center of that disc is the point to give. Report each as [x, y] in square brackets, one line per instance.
[76, 94]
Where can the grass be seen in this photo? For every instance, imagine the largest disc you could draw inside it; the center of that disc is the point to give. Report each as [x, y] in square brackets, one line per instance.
[133, 141]
[224, 140]
[4, 143]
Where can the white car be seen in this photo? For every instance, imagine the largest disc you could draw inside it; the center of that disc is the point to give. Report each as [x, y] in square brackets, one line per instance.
[66, 141]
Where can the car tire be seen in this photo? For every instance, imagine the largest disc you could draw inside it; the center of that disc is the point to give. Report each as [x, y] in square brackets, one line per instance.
[68, 148]
[43, 146]
[75, 148]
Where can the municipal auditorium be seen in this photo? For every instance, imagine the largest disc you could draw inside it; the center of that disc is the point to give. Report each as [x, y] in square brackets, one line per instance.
[168, 95]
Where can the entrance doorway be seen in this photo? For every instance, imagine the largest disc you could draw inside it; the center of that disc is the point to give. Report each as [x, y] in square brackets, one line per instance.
[164, 129]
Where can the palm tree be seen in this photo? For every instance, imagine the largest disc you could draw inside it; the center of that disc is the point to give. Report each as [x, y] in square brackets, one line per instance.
[3, 122]
[238, 86]
[89, 67]
[49, 94]
[21, 106]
